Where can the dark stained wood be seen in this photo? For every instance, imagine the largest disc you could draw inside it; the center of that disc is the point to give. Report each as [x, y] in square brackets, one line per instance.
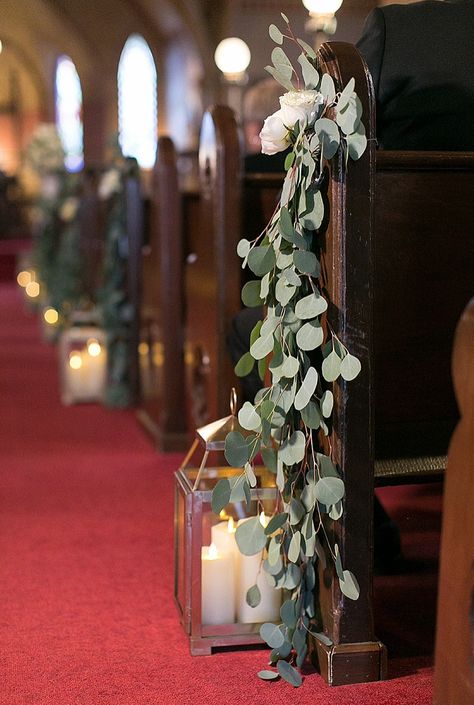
[134, 227]
[162, 406]
[213, 275]
[454, 675]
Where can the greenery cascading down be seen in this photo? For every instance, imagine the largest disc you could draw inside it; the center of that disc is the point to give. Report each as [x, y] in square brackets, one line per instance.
[317, 120]
[115, 310]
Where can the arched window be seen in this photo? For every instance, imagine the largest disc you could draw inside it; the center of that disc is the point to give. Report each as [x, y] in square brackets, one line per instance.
[69, 113]
[137, 108]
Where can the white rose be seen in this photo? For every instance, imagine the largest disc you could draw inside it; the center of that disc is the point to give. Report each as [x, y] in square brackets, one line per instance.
[274, 134]
[300, 105]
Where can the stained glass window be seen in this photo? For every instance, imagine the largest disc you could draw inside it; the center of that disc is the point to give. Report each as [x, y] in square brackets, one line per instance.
[137, 104]
[69, 113]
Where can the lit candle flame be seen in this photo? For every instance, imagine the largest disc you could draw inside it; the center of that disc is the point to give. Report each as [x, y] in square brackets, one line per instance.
[24, 277]
[223, 514]
[75, 360]
[263, 519]
[32, 289]
[231, 526]
[51, 316]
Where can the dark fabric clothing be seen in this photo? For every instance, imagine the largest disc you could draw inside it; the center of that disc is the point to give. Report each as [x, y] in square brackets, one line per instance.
[421, 58]
[265, 163]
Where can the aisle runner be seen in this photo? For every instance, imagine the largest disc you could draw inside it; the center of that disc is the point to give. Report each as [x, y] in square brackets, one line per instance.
[87, 616]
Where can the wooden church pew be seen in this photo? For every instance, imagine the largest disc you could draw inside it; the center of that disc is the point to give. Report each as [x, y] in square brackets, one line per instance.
[454, 675]
[398, 265]
[162, 407]
[233, 204]
[397, 268]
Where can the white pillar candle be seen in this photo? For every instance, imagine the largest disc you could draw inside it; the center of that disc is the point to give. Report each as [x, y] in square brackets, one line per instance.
[217, 586]
[250, 573]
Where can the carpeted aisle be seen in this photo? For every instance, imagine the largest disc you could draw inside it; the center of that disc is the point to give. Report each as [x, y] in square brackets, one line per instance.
[87, 616]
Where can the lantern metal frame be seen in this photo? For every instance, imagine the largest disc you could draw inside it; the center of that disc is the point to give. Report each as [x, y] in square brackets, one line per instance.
[193, 496]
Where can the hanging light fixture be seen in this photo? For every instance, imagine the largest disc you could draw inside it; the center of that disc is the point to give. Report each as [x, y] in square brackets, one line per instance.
[322, 15]
[232, 57]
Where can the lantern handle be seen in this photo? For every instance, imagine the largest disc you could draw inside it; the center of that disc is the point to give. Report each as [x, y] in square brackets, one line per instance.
[233, 401]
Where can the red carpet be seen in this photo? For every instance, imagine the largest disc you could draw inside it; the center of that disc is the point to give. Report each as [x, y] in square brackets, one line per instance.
[87, 616]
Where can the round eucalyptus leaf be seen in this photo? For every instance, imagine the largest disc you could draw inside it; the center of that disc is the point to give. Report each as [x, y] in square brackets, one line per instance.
[335, 511]
[310, 74]
[220, 495]
[357, 142]
[313, 218]
[251, 294]
[268, 675]
[243, 248]
[289, 674]
[329, 490]
[311, 416]
[275, 34]
[261, 259]
[273, 569]
[250, 537]
[273, 552]
[338, 562]
[297, 511]
[310, 306]
[262, 347]
[349, 585]
[244, 365]
[327, 401]
[288, 613]
[272, 635]
[328, 134]
[276, 522]
[236, 449]
[270, 459]
[248, 417]
[350, 367]
[306, 262]
[294, 548]
[346, 95]
[250, 475]
[331, 366]
[281, 61]
[292, 577]
[283, 291]
[293, 449]
[290, 366]
[327, 87]
[306, 390]
[253, 596]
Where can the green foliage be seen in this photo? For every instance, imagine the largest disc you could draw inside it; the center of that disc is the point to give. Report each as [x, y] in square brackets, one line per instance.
[290, 420]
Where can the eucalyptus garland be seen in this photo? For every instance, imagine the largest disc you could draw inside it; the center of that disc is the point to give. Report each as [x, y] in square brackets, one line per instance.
[317, 120]
[115, 308]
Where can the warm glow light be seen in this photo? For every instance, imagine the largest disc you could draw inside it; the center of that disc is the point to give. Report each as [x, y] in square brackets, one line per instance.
[263, 519]
[322, 7]
[223, 514]
[232, 56]
[32, 289]
[143, 349]
[1, 46]
[51, 316]
[93, 347]
[75, 360]
[231, 526]
[24, 277]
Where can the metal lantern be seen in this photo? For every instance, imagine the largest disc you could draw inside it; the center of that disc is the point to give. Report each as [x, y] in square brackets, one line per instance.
[83, 361]
[212, 577]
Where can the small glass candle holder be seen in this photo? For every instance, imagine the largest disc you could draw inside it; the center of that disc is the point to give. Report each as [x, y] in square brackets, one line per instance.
[83, 363]
[212, 577]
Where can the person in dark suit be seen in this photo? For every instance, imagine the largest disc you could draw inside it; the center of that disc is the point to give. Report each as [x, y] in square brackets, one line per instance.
[421, 57]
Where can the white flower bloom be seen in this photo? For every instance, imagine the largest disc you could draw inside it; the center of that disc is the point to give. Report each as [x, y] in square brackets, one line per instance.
[274, 134]
[109, 184]
[300, 105]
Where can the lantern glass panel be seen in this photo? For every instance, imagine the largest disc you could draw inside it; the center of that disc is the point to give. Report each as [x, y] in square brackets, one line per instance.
[83, 360]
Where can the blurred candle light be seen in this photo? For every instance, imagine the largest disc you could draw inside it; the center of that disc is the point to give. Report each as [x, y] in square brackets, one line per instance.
[93, 347]
[24, 278]
[32, 289]
[51, 316]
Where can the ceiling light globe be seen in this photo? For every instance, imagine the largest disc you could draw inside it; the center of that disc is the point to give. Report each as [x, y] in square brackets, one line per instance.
[232, 56]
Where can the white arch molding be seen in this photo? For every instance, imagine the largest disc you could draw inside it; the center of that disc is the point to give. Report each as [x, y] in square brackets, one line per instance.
[137, 101]
[68, 98]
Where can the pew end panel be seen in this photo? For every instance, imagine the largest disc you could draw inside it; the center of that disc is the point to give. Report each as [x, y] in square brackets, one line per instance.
[214, 276]
[454, 676]
[162, 408]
